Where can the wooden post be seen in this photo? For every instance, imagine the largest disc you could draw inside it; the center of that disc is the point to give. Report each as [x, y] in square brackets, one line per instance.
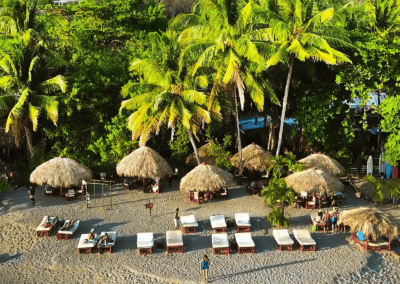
[110, 193]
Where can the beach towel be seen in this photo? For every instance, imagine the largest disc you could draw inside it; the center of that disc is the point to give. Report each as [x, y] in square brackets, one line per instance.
[389, 170]
[395, 172]
[369, 165]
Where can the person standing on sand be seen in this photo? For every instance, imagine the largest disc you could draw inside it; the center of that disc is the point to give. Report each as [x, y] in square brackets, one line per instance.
[204, 267]
[176, 219]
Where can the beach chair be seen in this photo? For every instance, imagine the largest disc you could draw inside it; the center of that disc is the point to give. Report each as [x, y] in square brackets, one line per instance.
[174, 242]
[189, 224]
[367, 244]
[48, 190]
[85, 245]
[311, 204]
[242, 222]
[218, 223]
[197, 198]
[223, 193]
[127, 184]
[109, 246]
[283, 239]
[66, 234]
[155, 188]
[245, 243]
[176, 173]
[70, 194]
[220, 243]
[82, 190]
[47, 226]
[145, 243]
[305, 240]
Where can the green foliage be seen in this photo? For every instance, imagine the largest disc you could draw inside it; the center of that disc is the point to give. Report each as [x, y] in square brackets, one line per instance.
[220, 153]
[277, 219]
[180, 145]
[38, 159]
[377, 186]
[390, 111]
[4, 185]
[285, 164]
[394, 188]
[342, 156]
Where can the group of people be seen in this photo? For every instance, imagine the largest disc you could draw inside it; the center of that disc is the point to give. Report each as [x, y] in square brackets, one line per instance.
[330, 219]
[102, 241]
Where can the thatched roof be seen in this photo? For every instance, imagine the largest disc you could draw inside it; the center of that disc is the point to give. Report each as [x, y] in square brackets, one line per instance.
[253, 156]
[206, 178]
[203, 155]
[61, 172]
[144, 162]
[323, 163]
[370, 221]
[314, 181]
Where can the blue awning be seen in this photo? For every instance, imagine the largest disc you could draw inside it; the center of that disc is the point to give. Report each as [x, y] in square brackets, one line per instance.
[249, 123]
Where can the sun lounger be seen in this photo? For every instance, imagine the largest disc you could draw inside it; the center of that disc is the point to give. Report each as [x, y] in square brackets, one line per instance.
[174, 242]
[245, 243]
[242, 222]
[70, 195]
[283, 239]
[189, 224]
[305, 240]
[43, 230]
[366, 243]
[218, 223]
[109, 246]
[66, 234]
[145, 243]
[220, 243]
[86, 245]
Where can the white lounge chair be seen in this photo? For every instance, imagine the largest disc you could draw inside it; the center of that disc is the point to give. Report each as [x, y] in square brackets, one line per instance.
[283, 239]
[43, 230]
[86, 245]
[66, 234]
[242, 222]
[189, 224]
[145, 243]
[70, 194]
[220, 243]
[174, 242]
[245, 243]
[109, 246]
[218, 223]
[305, 240]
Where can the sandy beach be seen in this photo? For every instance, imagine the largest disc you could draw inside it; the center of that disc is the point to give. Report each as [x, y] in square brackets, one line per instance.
[24, 258]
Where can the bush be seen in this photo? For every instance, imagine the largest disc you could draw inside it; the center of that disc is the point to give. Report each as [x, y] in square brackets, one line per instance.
[4, 185]
[277, 219]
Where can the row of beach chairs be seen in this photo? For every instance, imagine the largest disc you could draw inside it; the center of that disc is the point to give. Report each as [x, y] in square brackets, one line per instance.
[286, 243]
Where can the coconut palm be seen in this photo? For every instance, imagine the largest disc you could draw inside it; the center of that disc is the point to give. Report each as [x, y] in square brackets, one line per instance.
[161, 97]
[17, 16]
[216, 36]
[297, 29]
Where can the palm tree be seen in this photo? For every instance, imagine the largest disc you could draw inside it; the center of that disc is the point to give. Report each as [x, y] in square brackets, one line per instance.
[17, 17]
[26, 91]
[298, 30]
[161, 97]
[216, 36]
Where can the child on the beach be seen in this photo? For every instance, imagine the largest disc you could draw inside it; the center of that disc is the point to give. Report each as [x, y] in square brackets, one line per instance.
[204, 267]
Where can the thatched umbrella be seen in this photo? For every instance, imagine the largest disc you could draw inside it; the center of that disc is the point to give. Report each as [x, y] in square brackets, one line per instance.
[253, 156]
[144, 162]
[314, 181]
[206, 178]
[60, 172]
[370, 221]
[203, 155]
[324, 163]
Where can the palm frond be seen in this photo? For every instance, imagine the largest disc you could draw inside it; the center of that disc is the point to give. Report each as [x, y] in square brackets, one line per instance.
[152, 73]
[31, 67]
[232, 66]
[6, 103]
[50, 105]
[201, 81]
[34, 113]
[193, 96]
[18, 109]
[297, 49]
[280, 55]
[136, 102]
[244, 16]
[52, 85]
[183, 21]
[138, 88]
[6, 83]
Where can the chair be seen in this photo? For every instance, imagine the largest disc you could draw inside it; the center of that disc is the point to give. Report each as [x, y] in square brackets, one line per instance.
[66, 234]
[145, 243]
[45, 230]
[86, 245]
[218, 223]
[242, 222]
[223, 193]
[103, 176]
[197, 198]
[189, 224]
[70, 195]
[82, 190]
[109, 246]
[311, 204]
[366, 243]
[283, 239]
[305, 240]
[48, 190]
[155, 188]
[127, 184]
[174, 242]
[245, 243]
[176, 173]
[220, 243]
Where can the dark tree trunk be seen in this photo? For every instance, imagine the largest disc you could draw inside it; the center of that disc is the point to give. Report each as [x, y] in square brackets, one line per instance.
[194, 146]
[239, 140]
[29, 141]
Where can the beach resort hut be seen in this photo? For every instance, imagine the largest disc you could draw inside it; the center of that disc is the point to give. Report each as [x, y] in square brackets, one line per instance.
[253, 156]
[370, 227]
[323, 163]
[61, 172]
[206, 179]
[203, 155]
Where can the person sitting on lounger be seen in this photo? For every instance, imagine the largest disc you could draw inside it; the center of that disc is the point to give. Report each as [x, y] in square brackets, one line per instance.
[68, 225]
[105, 239]
[48, 222]
[91, 235]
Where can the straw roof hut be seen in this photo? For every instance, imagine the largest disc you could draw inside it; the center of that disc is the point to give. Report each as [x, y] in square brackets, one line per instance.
[203, 155]
[206, 178]
[61, 172]
[370, 221]
[253, 156]
[323, 163]
[314, 181]
[144, 162]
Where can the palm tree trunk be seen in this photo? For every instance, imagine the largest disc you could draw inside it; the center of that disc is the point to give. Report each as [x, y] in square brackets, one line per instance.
[29, 141]
[194, 146]
[283, 209]
[284, 106]
[239, 140]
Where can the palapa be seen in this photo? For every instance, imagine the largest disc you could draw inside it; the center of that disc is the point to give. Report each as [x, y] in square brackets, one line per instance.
[314, 181]
[370, 221]
[206, 178]
[324, 163]
[61, 172]
[253, 156]
[203, 155]
[144, 162]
